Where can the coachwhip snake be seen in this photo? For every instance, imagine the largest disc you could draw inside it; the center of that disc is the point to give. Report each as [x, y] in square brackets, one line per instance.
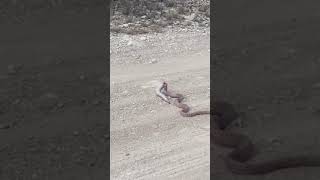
[237, 161]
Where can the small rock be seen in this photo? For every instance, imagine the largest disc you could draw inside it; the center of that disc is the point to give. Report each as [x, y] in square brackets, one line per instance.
[125, 25]
[130, 43]
[191, 17]
[187, 23]
[125, 92]
[143, 38]
[153, 61]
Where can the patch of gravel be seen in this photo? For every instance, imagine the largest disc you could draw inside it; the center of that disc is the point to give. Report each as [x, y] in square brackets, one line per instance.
[144, 16]
[153, 48]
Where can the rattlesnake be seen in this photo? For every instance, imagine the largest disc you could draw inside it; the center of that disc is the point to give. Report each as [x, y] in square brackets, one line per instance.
[237, 160]
[185, 109]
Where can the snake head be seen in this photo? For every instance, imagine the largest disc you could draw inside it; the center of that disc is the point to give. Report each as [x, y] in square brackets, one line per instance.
[165, 86]
[160, 91]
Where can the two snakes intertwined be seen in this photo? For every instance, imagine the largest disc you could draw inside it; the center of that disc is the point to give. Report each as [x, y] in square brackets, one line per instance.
[237, 160]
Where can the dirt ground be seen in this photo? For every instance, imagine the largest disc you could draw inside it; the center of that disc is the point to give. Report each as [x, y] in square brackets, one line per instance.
[52, 94]
[267, 64]
[53, 98]
[149, 138]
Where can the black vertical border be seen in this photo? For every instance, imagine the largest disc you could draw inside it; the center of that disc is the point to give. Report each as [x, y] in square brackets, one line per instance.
[107, 53]
[212, 49]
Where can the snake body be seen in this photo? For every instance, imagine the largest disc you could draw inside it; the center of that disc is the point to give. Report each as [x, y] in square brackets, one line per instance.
[237, 160]
[185, 109]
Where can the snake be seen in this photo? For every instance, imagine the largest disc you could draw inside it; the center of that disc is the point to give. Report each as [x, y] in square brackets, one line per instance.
[185, 109]
[238, 160]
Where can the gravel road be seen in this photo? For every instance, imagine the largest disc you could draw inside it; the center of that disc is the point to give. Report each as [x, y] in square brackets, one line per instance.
[149, 139]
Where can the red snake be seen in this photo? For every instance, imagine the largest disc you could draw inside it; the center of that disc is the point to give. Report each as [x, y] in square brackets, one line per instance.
[237, 161]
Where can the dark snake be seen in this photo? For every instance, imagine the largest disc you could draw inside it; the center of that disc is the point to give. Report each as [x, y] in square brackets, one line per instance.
[237, 161]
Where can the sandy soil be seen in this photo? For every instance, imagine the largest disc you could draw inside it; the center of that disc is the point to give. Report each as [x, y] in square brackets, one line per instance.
[52, 116]
[149, 139]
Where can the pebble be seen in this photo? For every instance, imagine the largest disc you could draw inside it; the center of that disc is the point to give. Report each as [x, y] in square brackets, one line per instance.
[125, 25]
[125, 92]
[143, 38]
[130, 43]
[153, 61]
